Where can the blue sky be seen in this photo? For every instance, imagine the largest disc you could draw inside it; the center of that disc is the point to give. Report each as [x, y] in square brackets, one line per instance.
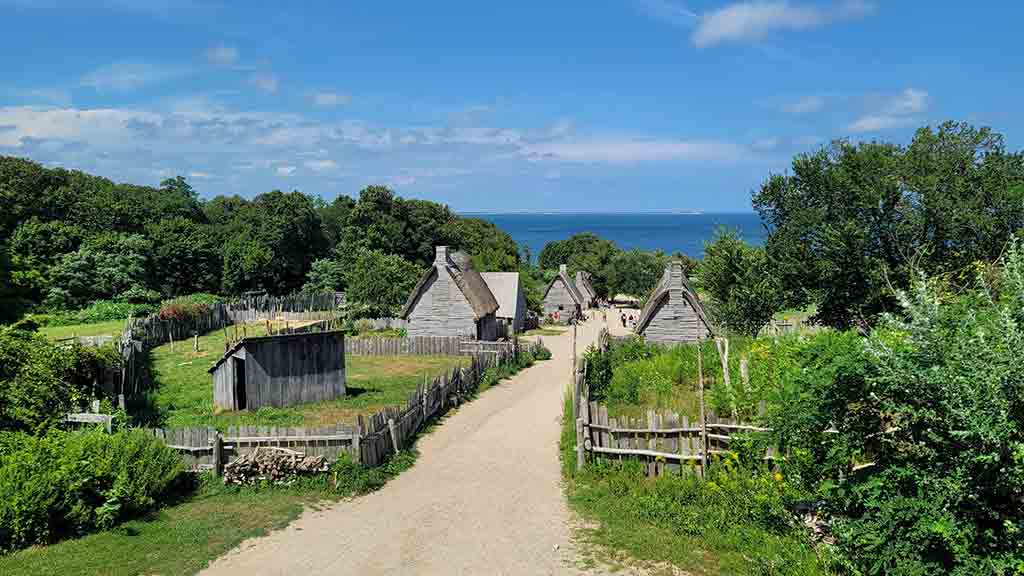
[607, 105]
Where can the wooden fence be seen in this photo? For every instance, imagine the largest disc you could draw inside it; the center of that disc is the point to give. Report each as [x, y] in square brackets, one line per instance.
[371, 441]
[662, 440]
[423, 346]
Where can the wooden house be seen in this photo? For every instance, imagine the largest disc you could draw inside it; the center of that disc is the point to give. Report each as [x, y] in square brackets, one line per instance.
[511, 299]
[586, 289]
[451, 299]
[280, 371]
[562, 300]
[673, 312]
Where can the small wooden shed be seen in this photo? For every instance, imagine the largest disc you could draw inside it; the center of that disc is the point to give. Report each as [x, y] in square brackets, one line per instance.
[511, 299]
[451, 299]
[673, 313]
[280, 371]
[562, 299]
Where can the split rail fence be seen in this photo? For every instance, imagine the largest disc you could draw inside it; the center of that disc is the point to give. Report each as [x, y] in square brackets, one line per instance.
[423, 346]
[663, 441]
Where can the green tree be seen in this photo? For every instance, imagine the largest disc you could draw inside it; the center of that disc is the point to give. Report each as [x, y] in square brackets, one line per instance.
[379, 283]
[186, 257]
[853, 222]
[111, 265]
[493, 250]
[584, 251]
[634, 272]
[743, 293]
[325, 275]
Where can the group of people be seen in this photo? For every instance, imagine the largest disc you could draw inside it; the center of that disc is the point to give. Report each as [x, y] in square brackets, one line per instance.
[628, 321]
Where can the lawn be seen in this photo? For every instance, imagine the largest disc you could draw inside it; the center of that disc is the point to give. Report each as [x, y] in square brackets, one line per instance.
[184, 390]
[110, 327]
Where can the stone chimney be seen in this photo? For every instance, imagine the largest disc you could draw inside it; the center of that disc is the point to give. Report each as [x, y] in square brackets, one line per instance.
[562, 269]
[441, 255]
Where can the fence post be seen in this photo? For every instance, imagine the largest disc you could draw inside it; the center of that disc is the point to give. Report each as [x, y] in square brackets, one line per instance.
[356, 448]
[394, 434]
[579, 444]
[703, 417]
[218, 455]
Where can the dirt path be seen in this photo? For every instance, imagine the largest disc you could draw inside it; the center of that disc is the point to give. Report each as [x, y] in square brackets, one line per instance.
[483, 498]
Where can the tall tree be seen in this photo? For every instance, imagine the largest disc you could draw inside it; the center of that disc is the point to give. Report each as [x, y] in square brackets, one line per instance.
[737, 278]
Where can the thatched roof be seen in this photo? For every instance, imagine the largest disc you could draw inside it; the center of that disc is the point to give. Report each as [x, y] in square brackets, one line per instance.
[458, 266]
[563, 274]
[584, 286]
[505, 287]
[661, 291]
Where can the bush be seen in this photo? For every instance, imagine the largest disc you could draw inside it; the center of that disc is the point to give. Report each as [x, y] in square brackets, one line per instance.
[71, 483]
[187, 308]
[41, 381]
[925, 472]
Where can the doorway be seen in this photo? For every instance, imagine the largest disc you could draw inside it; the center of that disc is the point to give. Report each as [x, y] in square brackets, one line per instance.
[238, 364]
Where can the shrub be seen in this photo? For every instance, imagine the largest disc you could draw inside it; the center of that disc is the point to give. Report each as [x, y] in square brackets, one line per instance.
[187, 308]
[71, 483]
[41, 381]
[925, 472]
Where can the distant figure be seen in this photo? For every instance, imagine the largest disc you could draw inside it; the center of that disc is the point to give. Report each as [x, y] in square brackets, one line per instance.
[623, 318]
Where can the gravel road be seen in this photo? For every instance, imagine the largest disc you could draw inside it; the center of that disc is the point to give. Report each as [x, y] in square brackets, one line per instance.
[484, 497]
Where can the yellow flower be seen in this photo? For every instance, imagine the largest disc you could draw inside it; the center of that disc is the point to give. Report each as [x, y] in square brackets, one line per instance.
[778, 476]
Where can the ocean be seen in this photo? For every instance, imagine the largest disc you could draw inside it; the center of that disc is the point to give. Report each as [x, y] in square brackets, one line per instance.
[668, 232]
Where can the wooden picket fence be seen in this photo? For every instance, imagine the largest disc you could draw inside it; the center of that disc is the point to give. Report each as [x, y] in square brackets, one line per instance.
[663, 441]
[371, 441]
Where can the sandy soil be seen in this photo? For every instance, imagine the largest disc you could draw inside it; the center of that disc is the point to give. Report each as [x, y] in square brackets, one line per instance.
[484, 497]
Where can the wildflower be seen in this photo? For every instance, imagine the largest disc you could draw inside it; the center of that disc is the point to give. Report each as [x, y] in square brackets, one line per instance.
[778, 476]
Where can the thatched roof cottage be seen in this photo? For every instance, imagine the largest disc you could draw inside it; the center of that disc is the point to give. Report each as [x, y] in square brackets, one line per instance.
[586, 289]
[511, 299]
[673, 312]
[451, 299]
[562, 298]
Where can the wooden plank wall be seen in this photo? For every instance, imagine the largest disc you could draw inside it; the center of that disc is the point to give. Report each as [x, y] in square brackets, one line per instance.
[421, 346]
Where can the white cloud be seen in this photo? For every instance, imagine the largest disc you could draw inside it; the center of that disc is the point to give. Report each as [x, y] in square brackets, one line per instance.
[670, 12]
[894, 111]
[129, 75]
[200, 175]
[285, 170]
[321, 165]
[628, 151]
[806, 105]
[265, 81]
[222, 55]
[747, 21]
[329, 99]
[55, 96]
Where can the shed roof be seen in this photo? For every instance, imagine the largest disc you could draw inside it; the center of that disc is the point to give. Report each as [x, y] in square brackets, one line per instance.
[661, 292]
[505, 287]
[584, 285]
[469, 281]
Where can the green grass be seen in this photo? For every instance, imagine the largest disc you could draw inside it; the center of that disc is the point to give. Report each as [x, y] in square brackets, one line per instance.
[706, 528]
[184, 390]
[184, 538]
[110, 327]
[545, 331]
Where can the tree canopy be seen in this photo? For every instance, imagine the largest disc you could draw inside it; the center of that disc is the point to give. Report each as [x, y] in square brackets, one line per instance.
[853, 223]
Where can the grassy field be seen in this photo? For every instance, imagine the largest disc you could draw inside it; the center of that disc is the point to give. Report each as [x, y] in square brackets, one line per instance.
[184, 390]
[184, 538]
[111, 328]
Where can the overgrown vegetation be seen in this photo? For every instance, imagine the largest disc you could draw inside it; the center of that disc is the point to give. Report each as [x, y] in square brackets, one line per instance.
[41, 381]
[185, 537]
[68, 484]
